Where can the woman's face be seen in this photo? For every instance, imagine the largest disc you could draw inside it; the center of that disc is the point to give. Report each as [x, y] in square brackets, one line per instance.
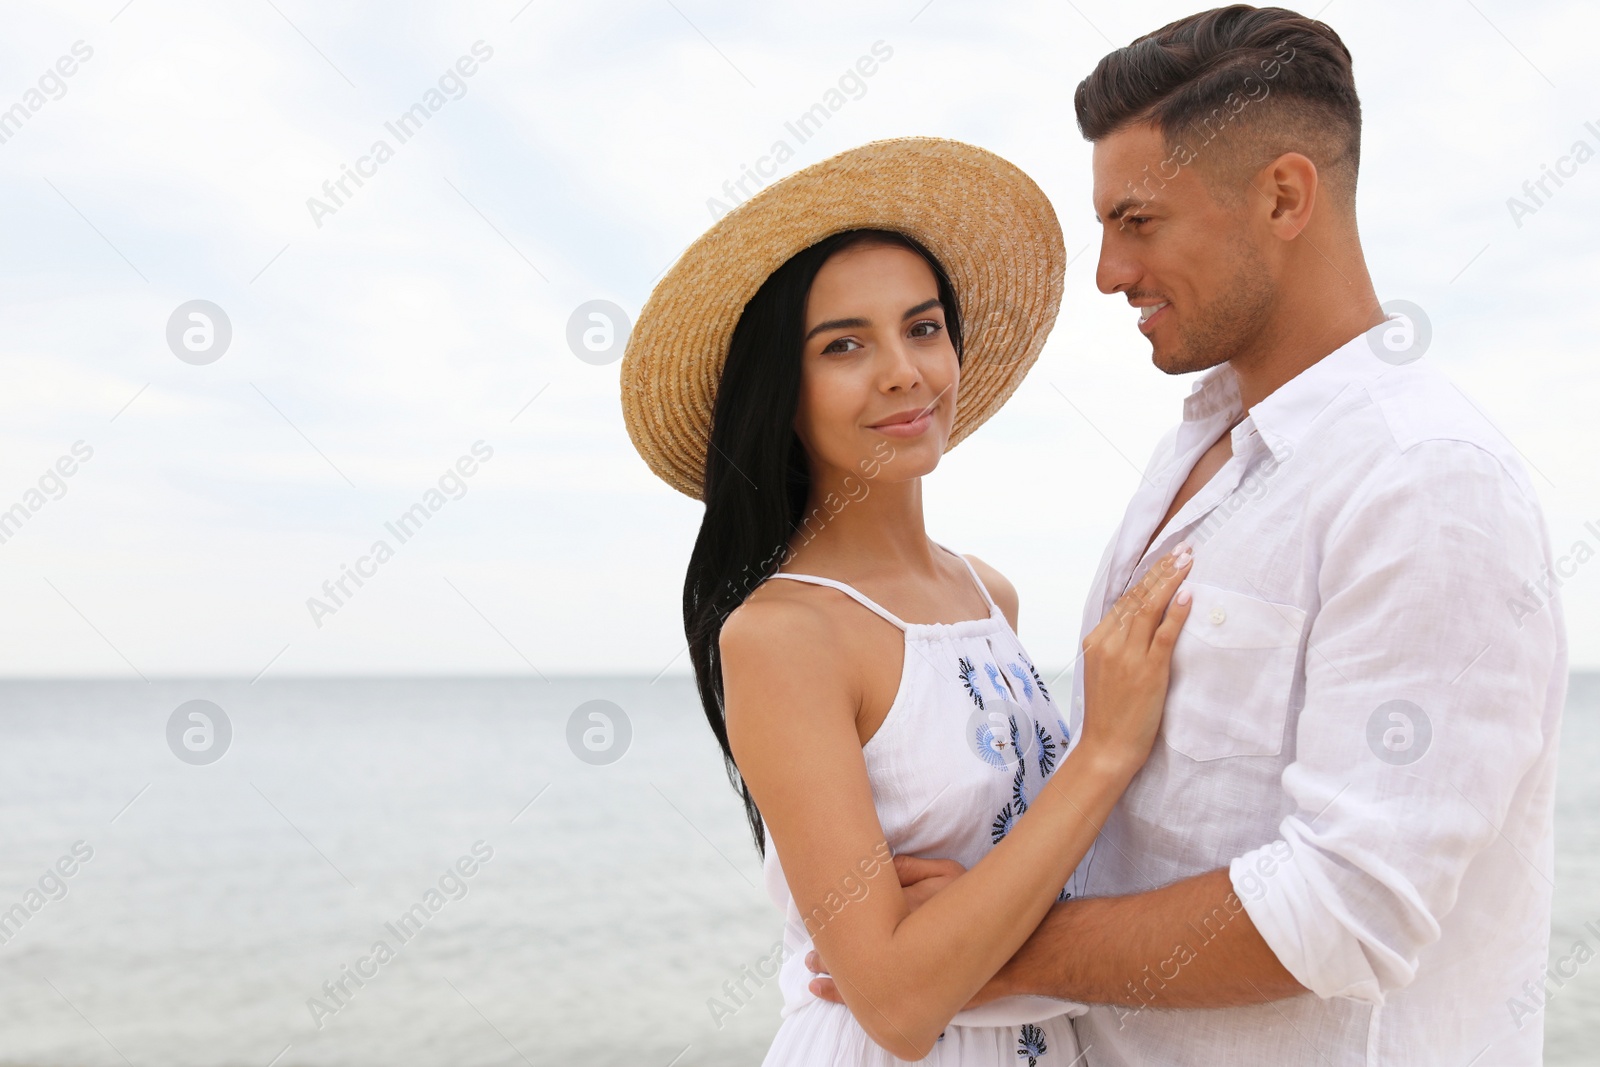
[878, 373]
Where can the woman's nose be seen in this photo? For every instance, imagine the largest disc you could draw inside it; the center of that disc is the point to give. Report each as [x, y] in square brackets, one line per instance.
[899, 369]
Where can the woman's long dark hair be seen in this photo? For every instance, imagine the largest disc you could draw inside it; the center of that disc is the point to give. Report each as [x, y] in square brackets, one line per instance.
[757, 477]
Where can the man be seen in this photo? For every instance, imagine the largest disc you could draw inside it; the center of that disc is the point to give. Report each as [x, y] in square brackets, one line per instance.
[1342, 851]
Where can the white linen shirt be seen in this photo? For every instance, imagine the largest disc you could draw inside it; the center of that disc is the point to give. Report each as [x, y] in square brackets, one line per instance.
[1361, 725]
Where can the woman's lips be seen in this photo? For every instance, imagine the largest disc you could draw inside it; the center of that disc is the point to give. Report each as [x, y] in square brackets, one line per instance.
[912, 428]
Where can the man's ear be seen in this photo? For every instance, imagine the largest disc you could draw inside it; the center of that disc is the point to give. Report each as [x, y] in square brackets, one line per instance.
[1286, 189]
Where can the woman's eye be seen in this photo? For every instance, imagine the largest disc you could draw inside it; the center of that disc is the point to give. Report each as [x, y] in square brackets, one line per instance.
[927, 328]
[840, 345]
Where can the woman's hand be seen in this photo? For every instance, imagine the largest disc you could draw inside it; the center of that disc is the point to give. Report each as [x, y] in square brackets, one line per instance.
[920, 879]
[1126, 659]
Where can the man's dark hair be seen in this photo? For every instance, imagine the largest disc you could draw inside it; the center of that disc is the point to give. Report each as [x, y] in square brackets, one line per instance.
[1274, 80]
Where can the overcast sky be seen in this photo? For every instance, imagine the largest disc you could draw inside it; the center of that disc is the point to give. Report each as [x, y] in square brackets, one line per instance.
[376, 338]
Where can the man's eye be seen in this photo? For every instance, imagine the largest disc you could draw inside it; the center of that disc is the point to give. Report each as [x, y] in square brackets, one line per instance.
[1135, 220]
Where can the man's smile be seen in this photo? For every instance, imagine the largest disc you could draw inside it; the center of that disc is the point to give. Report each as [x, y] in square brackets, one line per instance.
[1149, 313]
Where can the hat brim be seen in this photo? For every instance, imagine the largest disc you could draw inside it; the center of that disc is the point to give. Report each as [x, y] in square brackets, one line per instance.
[983, 218]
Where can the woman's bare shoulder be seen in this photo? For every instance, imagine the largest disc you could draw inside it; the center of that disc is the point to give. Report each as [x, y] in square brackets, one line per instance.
[786, 677]
[780, 622]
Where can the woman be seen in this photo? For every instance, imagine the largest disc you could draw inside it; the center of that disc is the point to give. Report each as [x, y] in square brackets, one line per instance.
[801, 369]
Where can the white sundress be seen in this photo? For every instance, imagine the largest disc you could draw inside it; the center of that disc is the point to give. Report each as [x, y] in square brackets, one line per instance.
[969, 739]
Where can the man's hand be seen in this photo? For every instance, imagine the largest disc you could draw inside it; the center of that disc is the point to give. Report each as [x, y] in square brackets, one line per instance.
[920, 879]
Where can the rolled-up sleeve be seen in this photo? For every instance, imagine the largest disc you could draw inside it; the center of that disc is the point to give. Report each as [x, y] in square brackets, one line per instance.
[1426, 667]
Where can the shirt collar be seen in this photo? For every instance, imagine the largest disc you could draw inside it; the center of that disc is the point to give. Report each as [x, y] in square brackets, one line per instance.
[1283, 417]
[1212, 403]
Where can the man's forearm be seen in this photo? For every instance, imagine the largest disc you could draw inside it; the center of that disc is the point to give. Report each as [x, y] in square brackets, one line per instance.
[1186, 945]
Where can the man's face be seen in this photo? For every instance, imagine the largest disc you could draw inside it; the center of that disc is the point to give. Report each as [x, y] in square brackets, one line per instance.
[1168, 243]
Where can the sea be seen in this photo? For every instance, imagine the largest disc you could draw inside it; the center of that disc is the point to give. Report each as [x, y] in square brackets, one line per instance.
[556, 872]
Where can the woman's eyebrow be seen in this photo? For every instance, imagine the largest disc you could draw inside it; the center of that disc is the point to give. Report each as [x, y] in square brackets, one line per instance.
[837, 324]
[856, 324]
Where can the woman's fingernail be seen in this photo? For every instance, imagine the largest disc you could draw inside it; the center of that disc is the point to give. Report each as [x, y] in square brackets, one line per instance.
[1182, 559]
[1184, 596]
[1181, 547]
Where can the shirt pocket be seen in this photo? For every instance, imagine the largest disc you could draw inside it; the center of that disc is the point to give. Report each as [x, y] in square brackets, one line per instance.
[1233, 670]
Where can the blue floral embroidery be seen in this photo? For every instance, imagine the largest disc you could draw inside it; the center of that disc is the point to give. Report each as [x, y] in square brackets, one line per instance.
[969, 679]
[1002, 824]
[1030, 1043]
[1027, 682]
[1047, 751]
[1066, 734]
[994, 679]
[1063, 895]
[1036, 679]
[989, 747]
[1019, 791]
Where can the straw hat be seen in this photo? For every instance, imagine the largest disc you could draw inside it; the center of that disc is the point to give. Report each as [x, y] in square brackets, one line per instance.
[986, 221]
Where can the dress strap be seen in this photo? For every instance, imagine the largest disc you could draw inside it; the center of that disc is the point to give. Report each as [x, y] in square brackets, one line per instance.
[849, 591]
[983, 589]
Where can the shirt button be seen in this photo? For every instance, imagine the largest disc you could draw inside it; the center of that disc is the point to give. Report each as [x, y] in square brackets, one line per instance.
[1218, 616]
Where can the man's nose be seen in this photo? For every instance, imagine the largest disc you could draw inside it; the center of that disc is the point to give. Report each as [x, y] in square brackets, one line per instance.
[1117, 270]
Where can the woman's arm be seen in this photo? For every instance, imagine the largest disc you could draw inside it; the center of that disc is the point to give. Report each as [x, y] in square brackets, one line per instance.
[791, 702]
